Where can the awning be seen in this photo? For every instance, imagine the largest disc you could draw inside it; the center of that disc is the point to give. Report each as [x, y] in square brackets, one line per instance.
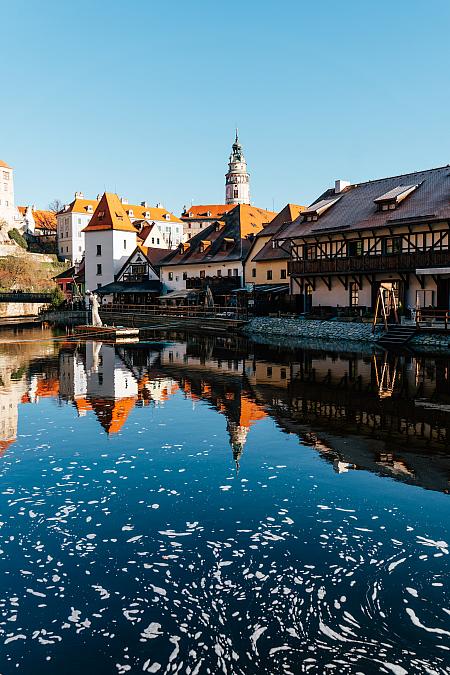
[264, 288]
[434, 270]
[150, 286]
[178, 294]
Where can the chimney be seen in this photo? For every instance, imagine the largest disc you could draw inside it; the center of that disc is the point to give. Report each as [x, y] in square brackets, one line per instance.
[98, 197]
[340, 185]
[159, 205]
[79, 195]
[145, 204]
[123, 200]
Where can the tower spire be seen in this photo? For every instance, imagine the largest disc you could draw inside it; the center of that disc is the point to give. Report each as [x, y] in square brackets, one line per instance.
[237, 185]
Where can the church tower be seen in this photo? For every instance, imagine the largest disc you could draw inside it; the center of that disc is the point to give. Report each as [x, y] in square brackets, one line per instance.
[237, 185]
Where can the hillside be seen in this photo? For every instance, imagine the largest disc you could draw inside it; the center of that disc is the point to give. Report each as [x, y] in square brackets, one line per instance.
[21, 270]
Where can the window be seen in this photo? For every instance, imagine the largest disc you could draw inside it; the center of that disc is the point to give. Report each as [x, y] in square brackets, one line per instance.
[309, 251]
[253, 272]
[283, 274]
[392, 245]
[157, 240]
[219, 273]
[99, 270]
[99, 249]
[269, 371]
[424, 298]
[354, 248]
[230, 272]
[354, 294]
[99, 285]
[5, 175]
[170, 276]
[153, 240]
[283, 374]
[202, 274]
[235, 272]
[184, 276]
[79, 221]
[269, 275]
[124, 243]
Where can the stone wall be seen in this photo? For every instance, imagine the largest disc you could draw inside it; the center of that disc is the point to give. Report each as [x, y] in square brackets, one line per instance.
[430, 342]
[10, 309]
[311, 329]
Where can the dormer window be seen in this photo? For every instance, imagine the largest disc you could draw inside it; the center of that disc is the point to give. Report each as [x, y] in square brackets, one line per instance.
[167, 216]
[146, 214]
[130, 213]
[184, 247]
[391, 199]
[190, 214]
[209, 214]
[204, 244]
[101, 215]
[314, 211]
[228, 243]
[89, 209]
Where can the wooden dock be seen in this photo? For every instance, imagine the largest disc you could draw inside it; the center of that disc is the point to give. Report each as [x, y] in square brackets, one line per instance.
[111, 333]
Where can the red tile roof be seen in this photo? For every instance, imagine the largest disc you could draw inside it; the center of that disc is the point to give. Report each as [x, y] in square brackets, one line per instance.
[110, 215]
[200, 211]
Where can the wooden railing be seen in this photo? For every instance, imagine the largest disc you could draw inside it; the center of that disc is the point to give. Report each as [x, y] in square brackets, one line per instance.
[188, 311]
[24, 296]
[397, 262]
[433, 318]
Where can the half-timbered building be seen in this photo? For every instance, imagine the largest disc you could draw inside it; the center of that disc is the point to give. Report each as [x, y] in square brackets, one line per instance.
[391, 233]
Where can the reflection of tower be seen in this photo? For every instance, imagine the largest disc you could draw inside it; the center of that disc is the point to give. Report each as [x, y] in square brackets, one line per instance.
[240, 419]
[238, 436]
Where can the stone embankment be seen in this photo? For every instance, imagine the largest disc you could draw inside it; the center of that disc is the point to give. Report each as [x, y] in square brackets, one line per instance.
[308, 328]
[333, 335]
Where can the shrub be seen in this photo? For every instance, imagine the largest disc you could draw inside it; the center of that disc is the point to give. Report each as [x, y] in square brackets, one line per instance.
[15, 235]
[57, 297]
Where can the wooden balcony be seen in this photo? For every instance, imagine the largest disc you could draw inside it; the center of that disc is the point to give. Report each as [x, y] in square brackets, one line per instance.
[216, 284]
[397, 262]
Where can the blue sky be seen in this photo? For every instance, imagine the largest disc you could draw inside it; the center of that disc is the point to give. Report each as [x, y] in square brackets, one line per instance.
[142, 97]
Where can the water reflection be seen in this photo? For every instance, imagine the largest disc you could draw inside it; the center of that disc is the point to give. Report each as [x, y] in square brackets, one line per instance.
[395, 409]
[203, 505]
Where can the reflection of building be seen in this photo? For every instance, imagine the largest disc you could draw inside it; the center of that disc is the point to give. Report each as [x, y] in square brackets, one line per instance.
[112, 390]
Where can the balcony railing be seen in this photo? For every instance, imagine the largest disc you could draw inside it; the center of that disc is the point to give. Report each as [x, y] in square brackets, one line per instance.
[217, 284]
[397, 262]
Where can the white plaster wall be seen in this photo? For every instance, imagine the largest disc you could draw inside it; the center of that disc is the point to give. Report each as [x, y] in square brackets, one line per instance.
[112, 258]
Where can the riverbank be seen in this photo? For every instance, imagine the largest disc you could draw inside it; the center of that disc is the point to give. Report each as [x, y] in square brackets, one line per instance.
[333, 335]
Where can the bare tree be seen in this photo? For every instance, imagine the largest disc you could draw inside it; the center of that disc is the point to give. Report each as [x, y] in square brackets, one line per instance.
[55, 206]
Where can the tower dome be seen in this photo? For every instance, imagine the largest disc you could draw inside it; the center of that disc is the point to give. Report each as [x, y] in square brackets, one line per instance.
[237, 184]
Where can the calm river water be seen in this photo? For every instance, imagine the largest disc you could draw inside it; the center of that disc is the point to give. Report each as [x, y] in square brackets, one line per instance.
[209, 505]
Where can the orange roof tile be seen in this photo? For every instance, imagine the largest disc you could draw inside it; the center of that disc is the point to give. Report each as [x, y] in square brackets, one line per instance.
[251, 412]
[155, 213]
[110, 215]
[113, 413]
[4, 165]
[201, 211]
[82, 405]
[47, 388]
[4, 445]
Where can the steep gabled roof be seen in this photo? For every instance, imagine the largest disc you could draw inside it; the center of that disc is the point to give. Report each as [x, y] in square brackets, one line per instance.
[357, 208]
[81, 206]
[228, 239]
[110, 215]
[287, 215]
